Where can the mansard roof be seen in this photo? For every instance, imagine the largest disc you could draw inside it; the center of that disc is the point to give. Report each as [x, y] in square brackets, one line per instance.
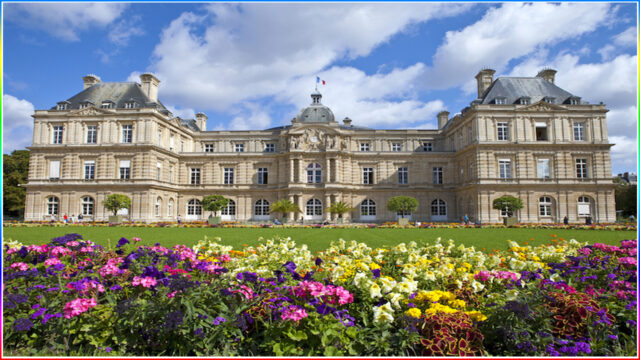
[116, 92]
[513, 88]
[189, 123]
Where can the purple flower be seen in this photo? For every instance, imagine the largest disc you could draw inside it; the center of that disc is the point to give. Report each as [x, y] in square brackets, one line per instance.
[376, 273]
[613, 337]
[611, 276]
[123, 242]
[50, 316]
[318, 261]
[22, 324]
[38, 313]
[632, 323]
[219, 320]
[115, 288]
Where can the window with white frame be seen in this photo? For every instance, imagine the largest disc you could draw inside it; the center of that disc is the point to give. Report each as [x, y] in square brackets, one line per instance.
[130, 105]
[54, 169]
[92, 134]
[543, 169]
[396, 147]
[127, 134]
[170, 207]
[314, 207]
[239, 147]
[437, 175]
[181, 145]
[438, 208]
[158, 205]
[52, 205]
[584, 206]
[171, 142]
[581, 168]
[89, 170]
[195, 176]
[545, 206]
[228, 176]
[503, 131]
[62, 106]
[83, 105]
[107, 105]
[208, 147]
[367, 176]
[500, 100]
[125, 169]
[504, 167]
[427, 146]
[158, 171]
[230, 209]
[578, 131]
[170, 173]
[269, 147]
[314, 173]
[263, 176]
[87, 206]
[368, 208]
[159, 137]
[194, 208]
[365, 146]
[261, 208]
[403, 175]
[57, 134]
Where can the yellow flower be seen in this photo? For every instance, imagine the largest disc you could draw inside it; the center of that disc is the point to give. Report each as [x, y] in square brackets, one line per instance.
[476, 315]
[457, 304]
[374, 266]
[414, 312]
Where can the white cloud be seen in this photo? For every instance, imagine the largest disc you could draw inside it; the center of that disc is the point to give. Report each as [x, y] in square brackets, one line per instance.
[64, 20]
[509, 32]
[628, 37]
[17, 123]
[184, 113]
[124, 30]
[624, 154]
[607, 51]
[251, 51]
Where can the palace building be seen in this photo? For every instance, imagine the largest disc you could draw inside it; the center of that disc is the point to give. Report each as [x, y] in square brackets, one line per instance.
[522, 136]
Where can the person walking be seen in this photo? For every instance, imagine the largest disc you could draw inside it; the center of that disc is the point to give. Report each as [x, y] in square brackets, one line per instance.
[66, 219]
[80, 217]
[179, 219]
[466, 219]
[565, 220]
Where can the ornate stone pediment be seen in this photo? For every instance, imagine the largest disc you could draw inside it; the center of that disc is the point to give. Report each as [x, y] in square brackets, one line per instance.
[91, 111]
[542, 106]
[314, 138]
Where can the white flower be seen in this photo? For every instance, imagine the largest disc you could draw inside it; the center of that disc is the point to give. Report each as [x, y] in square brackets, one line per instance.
[374, 291]
[555, 277]
[394, 299]
[511, 294]
[430, 275]
[383, 314]
[357, 280]
[476, 286]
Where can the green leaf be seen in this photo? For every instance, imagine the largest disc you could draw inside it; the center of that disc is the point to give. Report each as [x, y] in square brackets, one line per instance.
[297, 335]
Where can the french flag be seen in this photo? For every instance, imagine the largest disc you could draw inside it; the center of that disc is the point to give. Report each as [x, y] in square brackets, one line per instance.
[319, 81]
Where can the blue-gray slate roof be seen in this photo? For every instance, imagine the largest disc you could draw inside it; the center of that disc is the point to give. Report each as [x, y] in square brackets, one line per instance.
[117, 92]
[514, 88]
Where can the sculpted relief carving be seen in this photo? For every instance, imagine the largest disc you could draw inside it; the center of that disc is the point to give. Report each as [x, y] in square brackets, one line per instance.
[315, 140]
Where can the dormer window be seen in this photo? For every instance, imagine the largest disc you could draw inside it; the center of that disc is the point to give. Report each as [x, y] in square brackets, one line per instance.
[574, 100]
[63, 105]
[107, 105]
[549, 100]
[500, 100]
[85, 104]
[525, 100]
[130, 105]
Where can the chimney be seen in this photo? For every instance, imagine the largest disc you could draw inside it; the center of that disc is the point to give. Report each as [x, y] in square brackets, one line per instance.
[485, 79]
[150, 86]
[90, 80]
[347, 121]
[443, 117]
[547, 74]
[201, 121]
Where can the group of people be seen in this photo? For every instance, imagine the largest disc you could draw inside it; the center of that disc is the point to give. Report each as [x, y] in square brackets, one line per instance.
[68, 219]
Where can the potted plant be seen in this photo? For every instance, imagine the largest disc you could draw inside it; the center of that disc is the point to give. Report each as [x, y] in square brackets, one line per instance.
[508, 204]
[284, 207]
[339, 208]
[405, 205]
[115, 203]
[214, 203]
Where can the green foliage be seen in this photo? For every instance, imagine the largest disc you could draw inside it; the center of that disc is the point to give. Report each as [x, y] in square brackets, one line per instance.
[214, 203]
[339, 208]
[284, 207]
[403, 204]
[116, 202]
[15, 169]
[508, 203]
[626, 198]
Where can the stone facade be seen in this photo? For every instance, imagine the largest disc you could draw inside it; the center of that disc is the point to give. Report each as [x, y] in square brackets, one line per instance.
[524, 137]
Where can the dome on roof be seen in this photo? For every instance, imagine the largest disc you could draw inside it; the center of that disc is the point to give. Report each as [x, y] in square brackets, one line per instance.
[316, 112]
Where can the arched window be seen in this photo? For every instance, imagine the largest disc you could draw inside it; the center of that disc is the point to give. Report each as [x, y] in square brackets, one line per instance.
[158, 205]
[584, 206]
[194, 208]
[545, 206]
[52, 205]
[261, 208]
[314, 173]
[170, 207]
[87, 205]
[438, 207]
[368, 208]
[314, 207]
[230, 209]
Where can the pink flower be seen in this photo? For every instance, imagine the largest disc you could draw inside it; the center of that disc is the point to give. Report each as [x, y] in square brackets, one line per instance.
[171, 294]
[38, 248]
[224, 258]
[585, 251]
[21, 266]
[52, 261]
[78, 306]
[86, 249]
[137, 239]
[60, 251]
[482, 275]
[146, 281]
[73, 243]
[627, 261]
[294, 313]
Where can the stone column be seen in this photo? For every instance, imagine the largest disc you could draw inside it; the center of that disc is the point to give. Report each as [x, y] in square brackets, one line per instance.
[291, 171]
[291, 216]
[328, 172]
[327, 203]
[301, 208]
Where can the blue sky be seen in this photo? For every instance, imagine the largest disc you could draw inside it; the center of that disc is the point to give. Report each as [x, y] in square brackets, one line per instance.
[253, 66]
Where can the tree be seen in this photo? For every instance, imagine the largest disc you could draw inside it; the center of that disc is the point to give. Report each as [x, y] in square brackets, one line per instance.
[626, 197]
[116, 202]
[339, 208]
[214, 203]
[402, 204]
[284, 207]
[508, 204]
[15, 169]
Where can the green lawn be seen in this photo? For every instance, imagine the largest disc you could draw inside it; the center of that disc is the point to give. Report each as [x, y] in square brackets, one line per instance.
[318, 239]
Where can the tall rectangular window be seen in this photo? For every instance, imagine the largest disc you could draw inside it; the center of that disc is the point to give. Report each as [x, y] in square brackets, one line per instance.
[543, 169]
[578, 131]
[181, 145]
[263, 176]
[54, 169]
[158, 171]
[89, 170]
[503, 131]
[239, 147]
[396, 147]
[127, 134]
[504, 166]
[270, 147]
[228, 176]
[403, 175]
[195, 176]
[365, 146]
[125, 169]
[581, 168]
[208, 147]
[437, 175]
[171, 142]
[92, 134]
[367, 176]
[57, 134]
[159, 137]
[171, 174]
[427, 146]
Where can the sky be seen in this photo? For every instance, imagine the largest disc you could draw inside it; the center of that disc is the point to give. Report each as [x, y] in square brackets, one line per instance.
[385, 65]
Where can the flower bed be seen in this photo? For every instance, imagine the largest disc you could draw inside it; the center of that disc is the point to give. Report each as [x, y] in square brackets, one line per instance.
[74, 297]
